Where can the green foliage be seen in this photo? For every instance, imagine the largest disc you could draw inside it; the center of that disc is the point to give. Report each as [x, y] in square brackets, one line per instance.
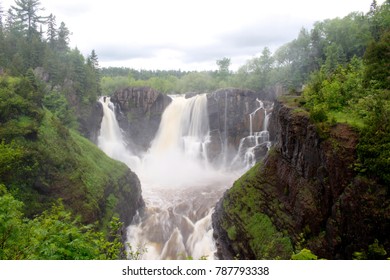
[73, 167]
[318, 114]
[357, 92]
[243, 203]
[223, 68]
[304, 254]
[59, 106]
[377, 57]
[135, 253]
[374, 144]
[53, 235]
[41, 161]
[375, 251]
[232, 233]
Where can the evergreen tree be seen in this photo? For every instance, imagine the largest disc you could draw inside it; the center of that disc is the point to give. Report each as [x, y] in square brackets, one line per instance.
[27, 16]
[63, 38]
[223, 65]
[51, 30]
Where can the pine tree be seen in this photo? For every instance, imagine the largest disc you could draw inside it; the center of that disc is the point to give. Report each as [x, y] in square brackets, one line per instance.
[63, 37]
[27, 16]
[51, 30]
[93, 60]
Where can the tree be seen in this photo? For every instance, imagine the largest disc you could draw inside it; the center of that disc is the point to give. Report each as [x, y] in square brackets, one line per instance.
[334, 57]
[27, 15]
[377, 59]
[51, 30]
[63, 37]
[93, 60]
[223, 65]
[259, 69]
[1, 18]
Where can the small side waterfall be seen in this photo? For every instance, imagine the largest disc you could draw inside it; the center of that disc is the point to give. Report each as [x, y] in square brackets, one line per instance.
[179, 184]
[256, 141]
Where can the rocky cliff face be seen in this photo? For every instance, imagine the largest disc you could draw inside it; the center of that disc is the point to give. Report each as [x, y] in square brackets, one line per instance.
[90, 124]
[229, 111]
[304, 195]
[139, 114]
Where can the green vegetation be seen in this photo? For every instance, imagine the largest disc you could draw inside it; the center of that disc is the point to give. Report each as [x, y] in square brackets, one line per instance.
[59, 193]
[245, 203]
[41, 163]
[375, 251]
[69, 82]
[304, 254]
[357, 91]
[53, 235]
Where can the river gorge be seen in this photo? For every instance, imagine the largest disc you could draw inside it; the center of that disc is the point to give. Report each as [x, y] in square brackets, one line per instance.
[186, 170]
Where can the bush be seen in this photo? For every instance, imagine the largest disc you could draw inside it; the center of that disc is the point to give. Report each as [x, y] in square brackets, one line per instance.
[318, 114]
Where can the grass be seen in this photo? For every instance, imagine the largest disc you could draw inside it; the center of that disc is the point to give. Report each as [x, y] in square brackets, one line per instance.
[346, 117]
[73, 168]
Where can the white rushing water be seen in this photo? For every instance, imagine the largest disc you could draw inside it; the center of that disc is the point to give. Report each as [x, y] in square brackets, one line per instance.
[110, 139]
[179, 185]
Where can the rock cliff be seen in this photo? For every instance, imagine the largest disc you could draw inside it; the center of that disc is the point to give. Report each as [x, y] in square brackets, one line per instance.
[304, 195]
[229, 121]
[139, 114]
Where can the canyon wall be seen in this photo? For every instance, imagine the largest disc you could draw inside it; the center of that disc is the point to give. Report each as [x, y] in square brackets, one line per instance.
[305, 194]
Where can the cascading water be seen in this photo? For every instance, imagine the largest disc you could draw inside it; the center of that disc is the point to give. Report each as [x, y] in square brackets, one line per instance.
[110, 139]
[180, 187]
[246, 154]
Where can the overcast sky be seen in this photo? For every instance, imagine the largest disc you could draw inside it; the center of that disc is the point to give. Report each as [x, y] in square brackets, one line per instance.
[188, 34]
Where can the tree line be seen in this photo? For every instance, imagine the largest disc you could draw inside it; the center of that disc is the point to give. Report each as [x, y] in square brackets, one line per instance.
[327, 45]
[32, 41]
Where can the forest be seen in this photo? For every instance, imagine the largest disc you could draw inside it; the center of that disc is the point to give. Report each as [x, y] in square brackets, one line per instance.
[339, 71]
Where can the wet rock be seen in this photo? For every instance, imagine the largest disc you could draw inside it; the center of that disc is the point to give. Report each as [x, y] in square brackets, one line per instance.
[229, 111]
[139, 114]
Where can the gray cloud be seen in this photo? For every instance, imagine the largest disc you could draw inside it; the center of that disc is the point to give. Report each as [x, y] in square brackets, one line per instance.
[117, 52]
[248, 40]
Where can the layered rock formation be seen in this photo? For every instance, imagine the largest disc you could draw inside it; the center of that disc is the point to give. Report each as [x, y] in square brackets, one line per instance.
[229, 111]
[139, 114]
[304, 195]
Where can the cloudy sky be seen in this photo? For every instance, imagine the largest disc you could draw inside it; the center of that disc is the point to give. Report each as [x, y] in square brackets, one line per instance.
[188, 34]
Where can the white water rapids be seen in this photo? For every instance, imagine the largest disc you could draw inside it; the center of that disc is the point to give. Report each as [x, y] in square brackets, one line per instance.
[179, 185]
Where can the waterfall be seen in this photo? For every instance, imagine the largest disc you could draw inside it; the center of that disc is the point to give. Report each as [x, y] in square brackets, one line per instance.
[110, 139]
[178, 153]
[246, 155]
[180, 188]
[179, 184]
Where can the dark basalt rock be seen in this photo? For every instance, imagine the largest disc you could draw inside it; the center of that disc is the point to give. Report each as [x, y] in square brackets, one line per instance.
[139, 112]
[229, 111]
